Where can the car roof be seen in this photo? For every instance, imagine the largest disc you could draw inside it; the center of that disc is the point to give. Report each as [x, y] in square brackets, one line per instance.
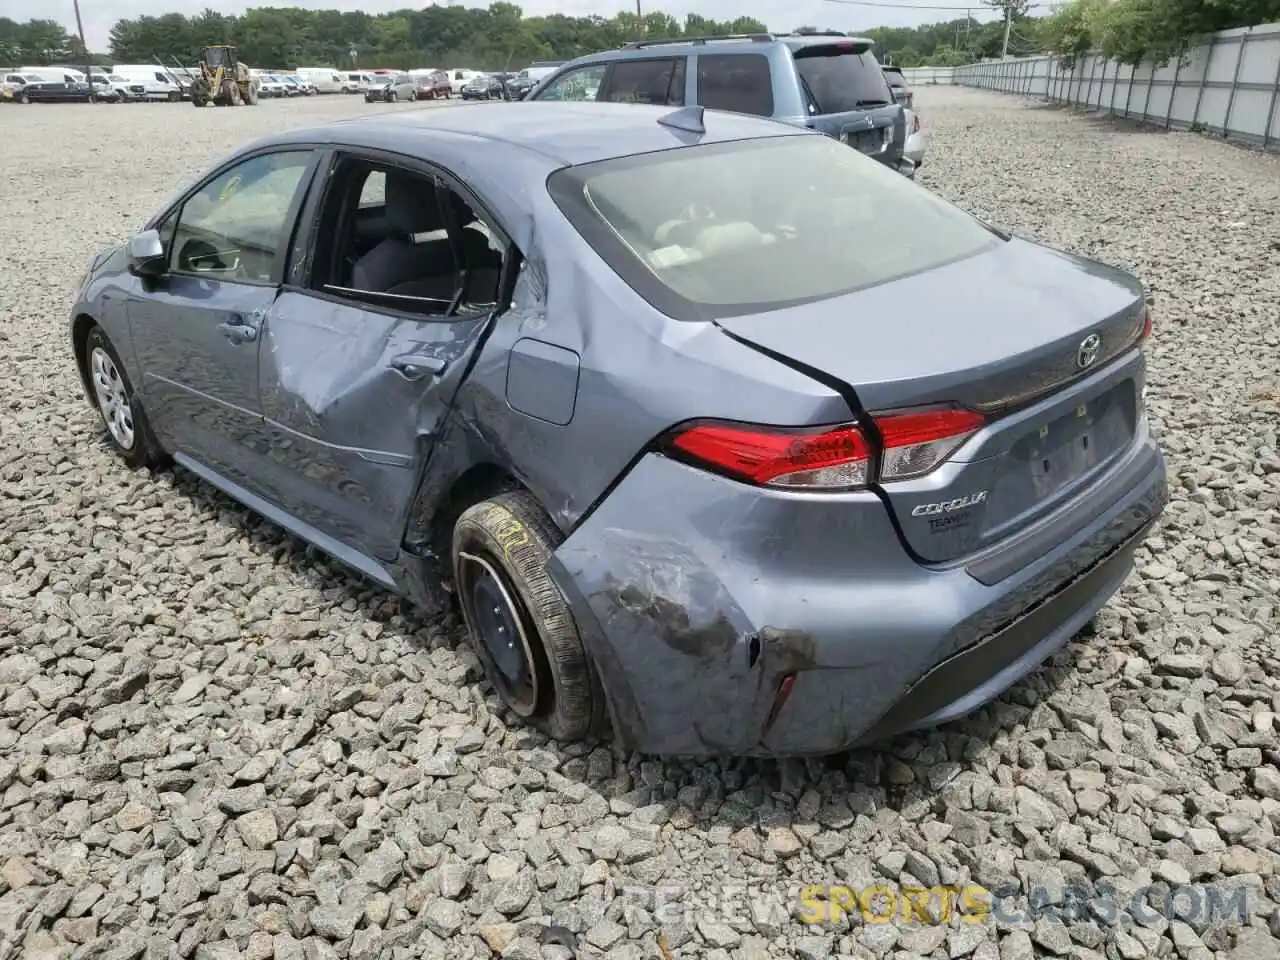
[566, 132]
[745, 43]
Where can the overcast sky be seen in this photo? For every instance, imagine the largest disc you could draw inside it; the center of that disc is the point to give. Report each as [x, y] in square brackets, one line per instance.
[99, 15]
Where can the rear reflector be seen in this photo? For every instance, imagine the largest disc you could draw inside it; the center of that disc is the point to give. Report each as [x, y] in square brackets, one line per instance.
[1146, 323]
[830, 458]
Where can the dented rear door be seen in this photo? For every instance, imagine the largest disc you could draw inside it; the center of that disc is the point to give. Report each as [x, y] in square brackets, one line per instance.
[352, 399]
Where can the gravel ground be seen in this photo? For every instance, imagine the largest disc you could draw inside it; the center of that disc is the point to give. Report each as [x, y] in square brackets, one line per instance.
[213, 744]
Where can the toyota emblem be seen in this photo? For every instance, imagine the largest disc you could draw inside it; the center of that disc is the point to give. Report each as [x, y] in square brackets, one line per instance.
[1088, 351]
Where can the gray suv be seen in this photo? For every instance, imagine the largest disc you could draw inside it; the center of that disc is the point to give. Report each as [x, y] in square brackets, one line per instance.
[829, 82]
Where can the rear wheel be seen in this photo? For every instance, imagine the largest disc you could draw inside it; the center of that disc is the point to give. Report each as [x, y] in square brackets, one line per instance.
[519, 623]
[233, 94]
[392, 97]
[121, 412]
[413, 95]
[251, 97]
[24, 97]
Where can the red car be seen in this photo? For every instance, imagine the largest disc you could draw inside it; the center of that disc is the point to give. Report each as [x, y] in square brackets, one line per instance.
[434, 85]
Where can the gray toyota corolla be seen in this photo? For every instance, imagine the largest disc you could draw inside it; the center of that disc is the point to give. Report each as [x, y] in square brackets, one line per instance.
[720, 434]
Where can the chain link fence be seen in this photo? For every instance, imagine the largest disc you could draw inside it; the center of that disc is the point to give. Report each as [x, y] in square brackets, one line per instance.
[1229, 85]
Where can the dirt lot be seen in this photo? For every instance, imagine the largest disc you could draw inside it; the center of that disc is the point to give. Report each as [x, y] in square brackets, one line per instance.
[215, 744]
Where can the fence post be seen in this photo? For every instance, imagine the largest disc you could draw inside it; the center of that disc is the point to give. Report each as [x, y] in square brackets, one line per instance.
[1088, 94]
[1146, 100]
[1129, 93]
[1204, 78]
[1173, 92]
[1235, 79]
[1271, 111]
[1115, 88]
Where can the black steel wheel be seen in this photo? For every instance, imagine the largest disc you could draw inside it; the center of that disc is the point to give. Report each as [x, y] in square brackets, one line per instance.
[518, 622]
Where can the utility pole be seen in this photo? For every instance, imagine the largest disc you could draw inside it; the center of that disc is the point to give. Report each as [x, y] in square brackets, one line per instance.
[88, 60]
[1008, 24]
[639, 21]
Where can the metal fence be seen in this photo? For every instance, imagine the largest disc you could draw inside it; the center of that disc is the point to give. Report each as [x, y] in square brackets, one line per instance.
[1230, 85]
[928, 76]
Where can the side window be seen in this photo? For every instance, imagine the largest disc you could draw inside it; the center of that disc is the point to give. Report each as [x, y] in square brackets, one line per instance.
[657, 82]
[403, 240]
[235, 225]
[740, 82]
[581, 84]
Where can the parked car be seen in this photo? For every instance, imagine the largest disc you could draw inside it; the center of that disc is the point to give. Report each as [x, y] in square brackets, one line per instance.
[524, 81]
[29, 87]
[902, 91]
[484, 87]
[269, 85]
[399, 86]
[114, 86]
[460, 78]
[433, 84]
[831, 83]
[301, 88]
[732, 498]
[917, 144]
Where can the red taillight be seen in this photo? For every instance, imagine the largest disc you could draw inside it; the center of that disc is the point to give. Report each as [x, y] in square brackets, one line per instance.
[836, 457]
[833, 458]
[915, 123]
[1146, 323]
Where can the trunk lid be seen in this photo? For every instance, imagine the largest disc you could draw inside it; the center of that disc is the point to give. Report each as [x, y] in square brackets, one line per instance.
[1010, 329]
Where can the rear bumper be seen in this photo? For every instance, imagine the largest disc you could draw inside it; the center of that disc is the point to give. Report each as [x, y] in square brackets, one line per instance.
[696, 596]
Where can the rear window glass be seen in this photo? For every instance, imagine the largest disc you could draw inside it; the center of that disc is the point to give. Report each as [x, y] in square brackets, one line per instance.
[740, 82]
[712, 231]
[895, 79]
[839, 81]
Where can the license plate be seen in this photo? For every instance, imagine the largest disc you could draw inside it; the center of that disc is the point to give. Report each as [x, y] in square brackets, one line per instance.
[1064, 449]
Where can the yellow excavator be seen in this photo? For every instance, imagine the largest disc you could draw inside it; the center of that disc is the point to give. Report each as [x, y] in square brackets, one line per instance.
[224, 81]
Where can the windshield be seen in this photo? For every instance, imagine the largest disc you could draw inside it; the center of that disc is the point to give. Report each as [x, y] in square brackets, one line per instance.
[711, 231]
[840, 81]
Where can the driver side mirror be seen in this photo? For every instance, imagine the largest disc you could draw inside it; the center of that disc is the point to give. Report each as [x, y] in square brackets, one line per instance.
[146, 254]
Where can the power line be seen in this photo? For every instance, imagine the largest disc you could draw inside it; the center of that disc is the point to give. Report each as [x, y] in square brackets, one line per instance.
[976, 6]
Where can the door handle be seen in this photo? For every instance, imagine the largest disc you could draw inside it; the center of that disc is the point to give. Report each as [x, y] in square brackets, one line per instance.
[238, 332]
[415, 367]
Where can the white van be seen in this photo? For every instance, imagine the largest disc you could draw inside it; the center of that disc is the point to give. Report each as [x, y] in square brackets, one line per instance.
[115, 85]
[157, 82]
[357, 82]
[324, 79]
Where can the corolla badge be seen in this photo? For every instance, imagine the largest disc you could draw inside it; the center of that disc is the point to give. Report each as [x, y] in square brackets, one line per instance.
[1088, 350]
[949, 506]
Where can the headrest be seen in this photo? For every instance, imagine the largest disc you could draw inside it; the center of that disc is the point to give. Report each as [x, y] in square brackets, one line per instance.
[411, 204]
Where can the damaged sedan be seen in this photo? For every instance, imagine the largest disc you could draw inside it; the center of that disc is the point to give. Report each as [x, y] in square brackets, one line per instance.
[636, 390]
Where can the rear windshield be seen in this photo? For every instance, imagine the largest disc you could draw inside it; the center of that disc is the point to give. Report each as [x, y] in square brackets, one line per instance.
[712, 231]
[895, 79]
[839, 81]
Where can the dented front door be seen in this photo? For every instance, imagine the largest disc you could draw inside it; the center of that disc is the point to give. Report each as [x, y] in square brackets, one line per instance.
[352, 400]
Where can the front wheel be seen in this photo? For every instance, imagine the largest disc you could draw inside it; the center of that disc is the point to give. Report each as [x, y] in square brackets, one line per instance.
[518, 622]
[392, 97]
[121, 412]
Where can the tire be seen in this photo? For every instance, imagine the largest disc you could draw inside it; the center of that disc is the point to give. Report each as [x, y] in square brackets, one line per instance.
[500, 553]
[252, 98]
[119, 407]
[24, 97]
[392, 97]
[413, 96]
[233, 94]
